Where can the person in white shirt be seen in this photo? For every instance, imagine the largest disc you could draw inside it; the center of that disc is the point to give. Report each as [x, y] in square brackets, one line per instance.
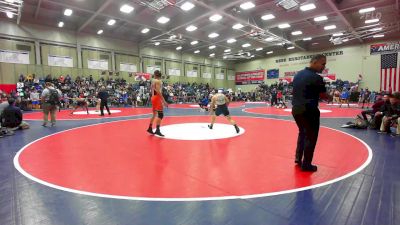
[219, 105]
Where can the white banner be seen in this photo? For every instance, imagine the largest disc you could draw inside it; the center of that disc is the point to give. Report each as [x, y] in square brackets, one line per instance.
[127, 67]
[192, 73]
[151, 69]
[174, 72]
[207, 75]
[98, 64]
[18, 57]
[231, 77]
[63, 61]
[219, 76]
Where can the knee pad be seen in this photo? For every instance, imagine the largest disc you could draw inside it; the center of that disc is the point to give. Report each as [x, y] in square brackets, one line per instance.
[160, 114]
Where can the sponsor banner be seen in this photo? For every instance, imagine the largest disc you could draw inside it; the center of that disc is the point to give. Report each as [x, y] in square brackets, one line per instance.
[174, 72]
[191, 73]
[18, 57]
[273, 74]
[385, 48]
[63, 61]
[250, 77]
[128, 67]
[207, 75]
[98, 64]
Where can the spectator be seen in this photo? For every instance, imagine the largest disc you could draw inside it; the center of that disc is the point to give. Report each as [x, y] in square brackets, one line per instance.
[50, 100]
[11, 117]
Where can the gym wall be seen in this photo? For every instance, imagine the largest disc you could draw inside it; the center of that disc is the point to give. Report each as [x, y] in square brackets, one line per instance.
[41, 41]
[347, 65]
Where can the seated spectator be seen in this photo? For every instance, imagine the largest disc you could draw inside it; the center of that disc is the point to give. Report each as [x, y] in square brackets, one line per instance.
[377, 120]
[375, 107]
[392, 115]
[204, 103]
[11, 117]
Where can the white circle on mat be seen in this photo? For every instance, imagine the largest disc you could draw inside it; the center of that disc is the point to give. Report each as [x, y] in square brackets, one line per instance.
[94, 112]
[320, 110]
[199, 131]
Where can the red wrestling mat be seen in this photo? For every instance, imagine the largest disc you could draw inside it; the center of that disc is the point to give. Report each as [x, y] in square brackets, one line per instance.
[120, 160]
[81, 114]
[326, 112]
[196, 106]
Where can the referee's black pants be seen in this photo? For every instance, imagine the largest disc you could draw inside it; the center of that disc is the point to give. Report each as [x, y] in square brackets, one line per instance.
[307, 120]
[103, 104]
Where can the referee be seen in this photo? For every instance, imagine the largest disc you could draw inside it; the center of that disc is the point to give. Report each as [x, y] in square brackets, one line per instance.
[308, 88]
[103, 96]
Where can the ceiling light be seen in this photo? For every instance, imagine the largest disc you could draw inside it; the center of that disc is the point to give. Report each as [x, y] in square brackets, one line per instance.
[194, 42]
[284, 25]
[237, 26]
[298, 32]
[9, 14]
[145, 30]
[61, 24]
[315, 43]
[246, 45]
[307, 39]
[100, 32]
[376, 29]
[378, 35]
[372, 20]
[270, 52]
[179, 48]
[268, 17]
[111, 22]
[10, 1]
[269, 39]
[157, 43]
[191, 28]
[247, 5]
[126, 8]
[288, 4]
[225, 57]
[281, 44]
[215, 17]
[337, 34]
[345, 40]
[259, 49]
[370, 9]
[212, 54]
[68, 12]
[252, 56]
[230, 41]
[320, 18]
[172, 36]
[307, 7]
[212, 47]
[213, 35]
[227, 50]
[163, 20]
[330, 27]
[291, 47]
[197, 51]
[187, 6]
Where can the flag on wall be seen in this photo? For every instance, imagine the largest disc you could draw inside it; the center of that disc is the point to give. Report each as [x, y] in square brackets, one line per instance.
[390, 74]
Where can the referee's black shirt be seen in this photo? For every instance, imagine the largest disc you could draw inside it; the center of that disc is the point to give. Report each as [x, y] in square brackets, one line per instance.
[307, 85]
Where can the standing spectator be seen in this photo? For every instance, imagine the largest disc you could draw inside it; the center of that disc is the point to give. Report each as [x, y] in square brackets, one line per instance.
[50, 100]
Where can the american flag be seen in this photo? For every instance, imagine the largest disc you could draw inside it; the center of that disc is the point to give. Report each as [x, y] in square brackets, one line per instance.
[390, 74]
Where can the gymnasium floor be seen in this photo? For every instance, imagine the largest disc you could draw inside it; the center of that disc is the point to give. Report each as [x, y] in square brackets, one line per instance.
[109, 171]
